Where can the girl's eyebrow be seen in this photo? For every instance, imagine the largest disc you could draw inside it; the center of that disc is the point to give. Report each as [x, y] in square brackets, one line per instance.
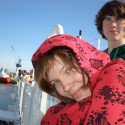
[63, 66]
[59, 72]
[62, 69]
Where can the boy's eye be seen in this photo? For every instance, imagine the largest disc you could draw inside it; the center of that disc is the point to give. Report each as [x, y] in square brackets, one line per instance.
[120, 19]
[107, 18]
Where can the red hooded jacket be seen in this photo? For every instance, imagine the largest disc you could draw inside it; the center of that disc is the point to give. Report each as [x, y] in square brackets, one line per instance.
[106, 105]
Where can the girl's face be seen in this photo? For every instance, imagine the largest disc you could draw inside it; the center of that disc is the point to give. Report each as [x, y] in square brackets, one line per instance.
[67, 81]
[114, 28]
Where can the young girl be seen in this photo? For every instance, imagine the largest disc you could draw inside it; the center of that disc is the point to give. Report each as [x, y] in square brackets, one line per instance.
[90, 86]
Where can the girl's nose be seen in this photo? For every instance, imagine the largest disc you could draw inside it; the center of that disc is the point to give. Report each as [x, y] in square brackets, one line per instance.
[67, 84]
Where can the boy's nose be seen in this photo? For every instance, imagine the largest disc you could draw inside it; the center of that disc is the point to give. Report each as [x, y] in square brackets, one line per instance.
[113, 22]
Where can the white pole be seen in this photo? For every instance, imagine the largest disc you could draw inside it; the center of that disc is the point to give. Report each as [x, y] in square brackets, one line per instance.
[98, 43]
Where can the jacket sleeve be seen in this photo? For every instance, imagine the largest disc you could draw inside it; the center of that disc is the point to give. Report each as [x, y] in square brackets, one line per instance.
[108, 98]
[68, 114]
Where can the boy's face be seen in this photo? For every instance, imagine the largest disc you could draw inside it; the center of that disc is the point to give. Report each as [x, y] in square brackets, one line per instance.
[114, 28]
[67, 81]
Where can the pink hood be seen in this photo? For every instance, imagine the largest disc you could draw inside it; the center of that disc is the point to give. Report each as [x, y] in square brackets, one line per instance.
[91, 60]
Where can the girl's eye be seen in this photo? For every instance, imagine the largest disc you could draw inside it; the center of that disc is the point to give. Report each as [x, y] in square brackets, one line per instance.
[55, 83]
[69, 70]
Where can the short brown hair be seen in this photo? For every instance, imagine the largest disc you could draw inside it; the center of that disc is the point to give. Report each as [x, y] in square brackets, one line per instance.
[112, 8]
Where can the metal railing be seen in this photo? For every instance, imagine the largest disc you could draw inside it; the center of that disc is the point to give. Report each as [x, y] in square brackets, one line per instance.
[33, 103]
